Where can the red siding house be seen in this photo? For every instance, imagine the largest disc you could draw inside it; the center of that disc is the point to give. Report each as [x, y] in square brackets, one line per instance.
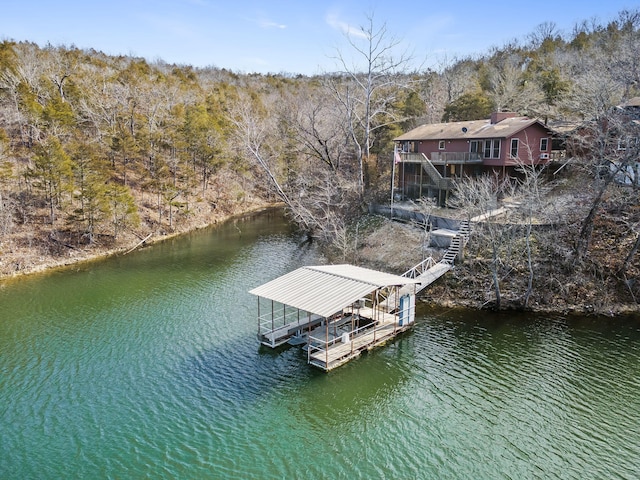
[430, 157]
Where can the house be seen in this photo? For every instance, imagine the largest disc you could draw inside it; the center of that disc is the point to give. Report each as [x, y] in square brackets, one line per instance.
[430, 157]
[612, 142]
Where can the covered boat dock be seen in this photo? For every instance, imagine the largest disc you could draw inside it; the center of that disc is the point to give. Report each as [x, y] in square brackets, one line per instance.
[335, 311]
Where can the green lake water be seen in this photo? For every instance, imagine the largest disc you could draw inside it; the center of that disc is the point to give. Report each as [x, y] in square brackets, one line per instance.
[147, 366]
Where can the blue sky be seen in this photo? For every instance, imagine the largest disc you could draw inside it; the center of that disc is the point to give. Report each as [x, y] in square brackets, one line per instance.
[285, 36]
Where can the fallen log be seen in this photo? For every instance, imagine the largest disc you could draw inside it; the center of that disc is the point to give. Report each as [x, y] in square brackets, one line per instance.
[138, 244]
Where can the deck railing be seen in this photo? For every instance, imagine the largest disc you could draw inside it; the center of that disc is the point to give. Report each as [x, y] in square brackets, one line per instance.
[442, 158]
[411, 157]
[323, 345]
[420, 268]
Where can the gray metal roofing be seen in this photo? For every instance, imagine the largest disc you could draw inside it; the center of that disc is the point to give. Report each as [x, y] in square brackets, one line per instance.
[325, 290]
[474, 129]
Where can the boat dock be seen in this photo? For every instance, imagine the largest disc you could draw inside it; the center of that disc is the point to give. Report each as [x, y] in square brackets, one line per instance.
[338, 311]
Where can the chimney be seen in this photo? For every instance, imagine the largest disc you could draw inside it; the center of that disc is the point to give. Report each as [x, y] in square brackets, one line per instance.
[497, 117]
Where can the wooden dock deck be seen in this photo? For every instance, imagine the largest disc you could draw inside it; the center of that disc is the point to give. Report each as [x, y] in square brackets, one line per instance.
[338, 352]
[331, 351]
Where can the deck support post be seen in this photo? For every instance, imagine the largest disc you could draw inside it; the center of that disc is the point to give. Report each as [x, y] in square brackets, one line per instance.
[259, 319]
[397, 302]
[273, 326]
[326, 342]
[308, 337]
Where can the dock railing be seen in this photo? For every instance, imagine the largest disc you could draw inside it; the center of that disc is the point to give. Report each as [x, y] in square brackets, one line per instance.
[321, 346]
[275, 328]
[330, 350]
[420, 268]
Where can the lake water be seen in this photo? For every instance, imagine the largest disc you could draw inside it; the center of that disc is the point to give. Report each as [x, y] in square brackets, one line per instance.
[147, 366]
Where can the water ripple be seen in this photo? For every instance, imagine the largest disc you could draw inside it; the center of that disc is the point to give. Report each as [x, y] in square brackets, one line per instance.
[151, 369]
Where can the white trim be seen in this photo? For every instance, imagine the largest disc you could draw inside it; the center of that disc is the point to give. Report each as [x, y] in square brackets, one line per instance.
[491, 148]
[517, 140]
[547, 146]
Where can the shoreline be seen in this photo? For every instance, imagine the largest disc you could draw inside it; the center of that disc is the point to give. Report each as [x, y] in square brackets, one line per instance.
[442, 300]
[92, 255]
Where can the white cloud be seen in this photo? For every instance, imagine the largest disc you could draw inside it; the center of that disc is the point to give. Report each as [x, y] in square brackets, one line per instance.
[334, 22]
[265, 23]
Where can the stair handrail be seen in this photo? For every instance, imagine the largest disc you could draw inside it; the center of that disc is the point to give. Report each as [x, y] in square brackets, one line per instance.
[420, 268]
[459, 241]
[431, 170]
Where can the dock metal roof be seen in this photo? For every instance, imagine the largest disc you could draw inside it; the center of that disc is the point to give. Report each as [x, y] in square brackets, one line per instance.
[325, 290]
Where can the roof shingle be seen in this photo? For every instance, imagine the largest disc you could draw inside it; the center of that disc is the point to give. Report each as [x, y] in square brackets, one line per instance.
[474, 129]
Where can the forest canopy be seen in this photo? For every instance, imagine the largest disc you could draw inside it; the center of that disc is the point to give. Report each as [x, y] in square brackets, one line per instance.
[98, 151]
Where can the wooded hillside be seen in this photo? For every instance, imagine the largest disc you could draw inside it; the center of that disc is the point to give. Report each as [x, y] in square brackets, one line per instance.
[98, 152]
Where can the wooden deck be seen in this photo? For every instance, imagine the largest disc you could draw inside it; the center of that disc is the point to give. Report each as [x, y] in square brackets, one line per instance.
[338, 353]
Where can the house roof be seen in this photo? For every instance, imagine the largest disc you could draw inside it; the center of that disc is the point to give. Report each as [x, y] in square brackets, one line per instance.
[325, 290]
[474, 129]
[565, 127]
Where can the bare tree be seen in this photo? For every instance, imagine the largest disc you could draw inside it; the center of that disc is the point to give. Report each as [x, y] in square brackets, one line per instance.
[373, 79]
[546, 31]
[320, 135]
[478, 197]
[507, 86]
[425, 207]
[7, 204]
[533, 207]
[253, 131]
[612, 151]
[458, 76]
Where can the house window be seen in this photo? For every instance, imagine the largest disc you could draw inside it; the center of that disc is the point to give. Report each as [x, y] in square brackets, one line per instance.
[514, 147]
[441, 144]
[544, 144]
[492, 148]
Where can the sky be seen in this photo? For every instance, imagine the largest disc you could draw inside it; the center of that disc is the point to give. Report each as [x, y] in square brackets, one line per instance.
[286, 36]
